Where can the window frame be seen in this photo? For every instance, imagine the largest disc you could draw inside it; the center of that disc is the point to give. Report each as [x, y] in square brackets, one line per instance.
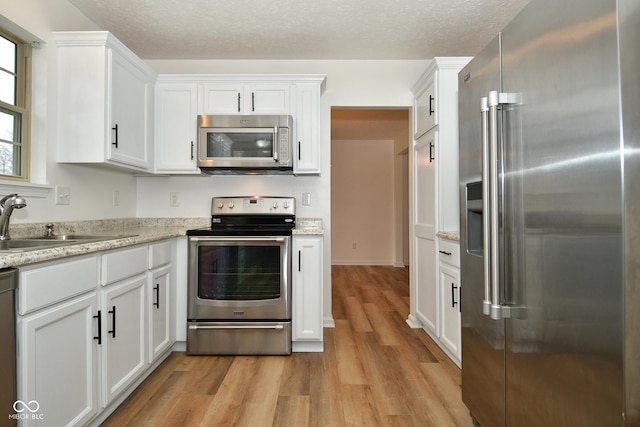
[23, 103]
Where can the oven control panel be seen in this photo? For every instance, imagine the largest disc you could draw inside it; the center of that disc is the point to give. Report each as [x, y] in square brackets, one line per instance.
[253, 205]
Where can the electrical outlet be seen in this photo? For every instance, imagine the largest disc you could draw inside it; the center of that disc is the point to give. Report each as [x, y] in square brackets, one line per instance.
[174, 200]
[116, 198]
[306, 199]
[354, 246]
[63, 195]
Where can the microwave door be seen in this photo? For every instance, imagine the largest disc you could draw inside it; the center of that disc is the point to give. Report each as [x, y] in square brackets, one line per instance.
[239, 147]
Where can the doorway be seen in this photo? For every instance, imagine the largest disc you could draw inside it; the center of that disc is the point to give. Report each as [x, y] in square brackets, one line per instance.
[369, 186]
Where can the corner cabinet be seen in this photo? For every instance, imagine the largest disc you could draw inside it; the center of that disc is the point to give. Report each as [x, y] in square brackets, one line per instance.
[306, 293]
[105, 102]
[434, 198]
[180, 98]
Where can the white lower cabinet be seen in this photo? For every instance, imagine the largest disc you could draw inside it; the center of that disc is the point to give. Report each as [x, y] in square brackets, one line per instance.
[450, 299]
[159, 309]
[89, 328]
[58, 362]
[450, 303]
[307, 293]
[123, 336]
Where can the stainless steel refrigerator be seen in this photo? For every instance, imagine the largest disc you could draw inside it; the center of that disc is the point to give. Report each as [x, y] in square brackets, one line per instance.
[549, 119]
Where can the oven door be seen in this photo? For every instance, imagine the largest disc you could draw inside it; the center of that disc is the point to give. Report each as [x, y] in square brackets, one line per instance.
[239, 278]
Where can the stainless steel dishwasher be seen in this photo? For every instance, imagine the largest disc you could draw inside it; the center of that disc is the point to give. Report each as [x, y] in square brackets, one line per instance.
[8, 282]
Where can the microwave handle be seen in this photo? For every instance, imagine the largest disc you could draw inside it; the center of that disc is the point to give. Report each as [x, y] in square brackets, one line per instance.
[276, 143]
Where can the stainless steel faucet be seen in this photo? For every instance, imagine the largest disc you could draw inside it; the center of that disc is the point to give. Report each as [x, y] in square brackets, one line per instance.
[7, 205]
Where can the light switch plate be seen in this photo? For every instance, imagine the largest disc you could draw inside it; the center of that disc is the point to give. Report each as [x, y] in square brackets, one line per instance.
[63, 195]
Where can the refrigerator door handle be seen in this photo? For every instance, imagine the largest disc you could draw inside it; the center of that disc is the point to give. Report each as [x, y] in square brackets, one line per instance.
[486, 224]
[494, 101]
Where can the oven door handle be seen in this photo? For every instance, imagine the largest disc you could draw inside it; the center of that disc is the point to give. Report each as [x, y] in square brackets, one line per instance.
[196, 327]
[236, 239]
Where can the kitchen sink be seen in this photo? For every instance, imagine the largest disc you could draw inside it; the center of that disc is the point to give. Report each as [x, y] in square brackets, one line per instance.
[58, 240]
[27, 244]
[83, 237]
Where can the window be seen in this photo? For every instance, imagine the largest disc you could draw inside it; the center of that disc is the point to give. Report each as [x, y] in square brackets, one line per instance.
[14, 107]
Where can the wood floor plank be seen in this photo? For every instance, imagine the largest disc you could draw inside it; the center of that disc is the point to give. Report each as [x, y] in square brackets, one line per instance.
[357, 316]
[325, 390]
[259, 406]
[292, 411]
[295, 376]
[375, 371]
[447, 391]
[225, 406]
[359, 406]
[387, 334]
[347, 356]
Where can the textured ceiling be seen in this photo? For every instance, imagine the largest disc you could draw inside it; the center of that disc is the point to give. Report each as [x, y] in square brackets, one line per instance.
[301, 29]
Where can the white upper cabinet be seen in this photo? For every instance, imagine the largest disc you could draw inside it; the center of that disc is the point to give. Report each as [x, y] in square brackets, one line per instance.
[436, 107]
[425, 111]
[306, 147]
[105, 102]
[246, 98]
[176, 127]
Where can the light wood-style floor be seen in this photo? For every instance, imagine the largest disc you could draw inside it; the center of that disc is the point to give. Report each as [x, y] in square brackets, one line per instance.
[375, 371]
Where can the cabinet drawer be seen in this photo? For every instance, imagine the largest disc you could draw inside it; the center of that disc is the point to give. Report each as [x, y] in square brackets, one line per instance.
[45, 285]
[159, 254]
[449, 252]
[124, 263]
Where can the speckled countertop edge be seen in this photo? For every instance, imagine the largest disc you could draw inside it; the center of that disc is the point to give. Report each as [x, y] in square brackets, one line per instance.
[308, 226]
[449, 235]
[126, 232]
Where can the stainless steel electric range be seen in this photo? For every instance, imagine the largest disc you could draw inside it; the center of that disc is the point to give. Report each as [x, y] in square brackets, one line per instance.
[239, 285]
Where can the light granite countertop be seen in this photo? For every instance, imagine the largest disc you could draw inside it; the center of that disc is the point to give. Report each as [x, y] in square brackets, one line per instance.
[125, 232]
[449, 235]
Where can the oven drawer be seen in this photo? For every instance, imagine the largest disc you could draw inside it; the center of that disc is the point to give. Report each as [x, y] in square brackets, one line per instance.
[239, 338]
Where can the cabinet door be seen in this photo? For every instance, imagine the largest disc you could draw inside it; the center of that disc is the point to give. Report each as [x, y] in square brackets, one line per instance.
[131, 106]
[250, 98]
[307, 123]
[58, 362]
[426, 111]
[268, 98]
[307, 289]
[223, 98]
[158, 306]
[176, 127]
[450, 300]
[425, 276]
[123, 336]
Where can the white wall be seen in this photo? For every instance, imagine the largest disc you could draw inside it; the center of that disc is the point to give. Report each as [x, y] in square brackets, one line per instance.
[362, 194]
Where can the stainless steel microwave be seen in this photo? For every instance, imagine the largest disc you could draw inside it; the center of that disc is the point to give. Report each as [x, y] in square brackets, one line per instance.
[244, 144]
